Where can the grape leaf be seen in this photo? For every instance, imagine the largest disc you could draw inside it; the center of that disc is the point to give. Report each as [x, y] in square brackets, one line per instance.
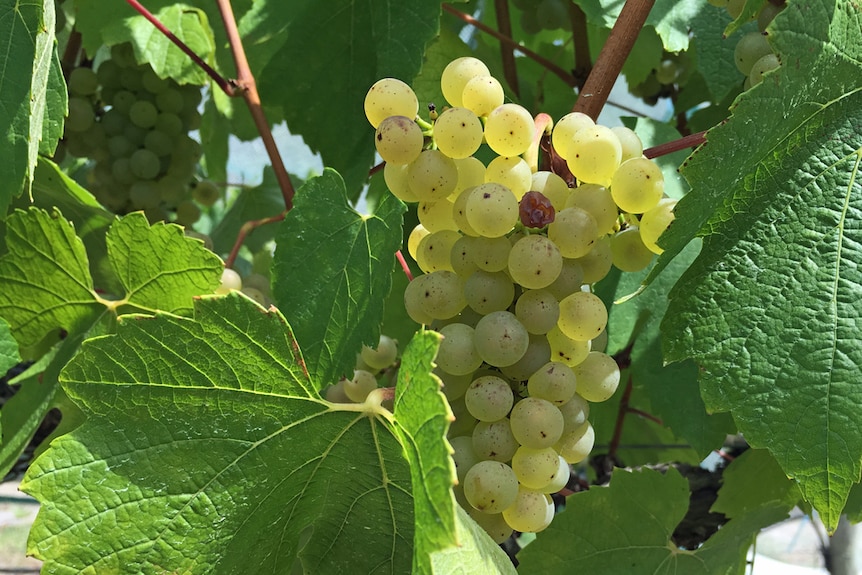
[442, 50]
[56, 107]
[769, 309]
[653, 133]
[749, 12]
[332, 273]
[626, 527]
[475, 554]
[8, 348]
[715, 58]
[669, 17]
[27, 45]
[754, 480]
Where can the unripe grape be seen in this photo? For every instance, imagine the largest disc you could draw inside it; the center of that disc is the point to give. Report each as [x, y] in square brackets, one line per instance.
[398, 140]
[535, 262]
[458, 133]
[335, 393]
[489, 398]
[145, 165]
[381, 356]
[762, 66]
[362, 383]
[509, 130]
[536, 423]
[83, 82]
[598, 377]
[629, 252]
[493, 524]
[143, 114]
[81, 115]
[750, 48]
[654, 223]
[454, 386]
[464, 423]
[458, 354]
[455, 76]
[637, 186]
[390, 97]
[187, 213]
[490, 486]
[482, 94]
[206, 193]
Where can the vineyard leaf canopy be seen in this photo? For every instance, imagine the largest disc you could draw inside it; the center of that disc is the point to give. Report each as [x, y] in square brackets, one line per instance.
[771, 307]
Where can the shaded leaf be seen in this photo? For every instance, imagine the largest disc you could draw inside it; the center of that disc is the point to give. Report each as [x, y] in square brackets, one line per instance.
[752, 481]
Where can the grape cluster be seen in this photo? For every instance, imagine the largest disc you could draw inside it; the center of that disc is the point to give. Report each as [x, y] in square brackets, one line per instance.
[753, 55]
[134, 126]
[673, 69]
[509, 258]
[372, 363]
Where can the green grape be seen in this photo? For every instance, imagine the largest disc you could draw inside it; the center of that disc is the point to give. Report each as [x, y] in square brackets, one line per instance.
[462, 258]
[575, 412]
[493, 524]
[152, 83]
[108, 75]
[491, 210]
[113, 122]
[206, 193]
[383, 355]
[491, 254]
[561, 477]
[598, 377]
[123, 101]
[130, 78]
[123, 55]
[459, 213]
[583, 316]
[143, 114]
[335, 393]
[458, 133]
[255, 280]
[630, 142]
[750, 48]
[489, 398]
[83, 82]
[514, 173]
[536, 423]
[454, 386]
[390, 97]
[432, 176]
[574, 231]
[144, 195]
[122, 171]
[595, 155]
[535, 468]
[398, 140]
[637, 186]
[471, 173]
[538, 353]
[509, 130]
[767, 15]
[574, 446]
[597, 264]
[563, 136]
[538, 310]
[629, 252]
[230, 280]
[396, 180]
[762, 66]
[81, 116]
[463, 454]
[458, 354]
[531, 512]
[170, 101]
[187, 213]
[487, 292]
[569, 281]
[598, 202]
[464, 422]
[437, 216]
[667, 72]
[552, 187]
[494, 440]
[442, 294]
[135, 135]
[554, 382]
[169, 124]
[500, 338]
[490, 486]
[358, 388]
[565, 349]
[144, 164]
[255, 294]
[455, 76]
[414, 239]
[654, 223]
[435, 249]
[535, 262]
[172, 190]
[159, 143]
[482, 94]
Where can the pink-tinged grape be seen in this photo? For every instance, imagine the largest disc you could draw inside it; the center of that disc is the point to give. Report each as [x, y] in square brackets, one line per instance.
[596, 264]
[455, 76]
[382, 355]
[500, 338]
[458, 133]
[565, 349]
[531, 512]
[576, 445]
[509, 130]
[535, 468]
[395, 177]
[432, 176]
[637, 186]
[598, 202]
[358, 387]
[487, 292]
[512, 172]
[482, 94]
[630, 142]
[538, 310]
[583, 316]
[750, 48]
[538, 353]
[554, 382]
[595, 155]
[390, 97]
[458, 354]
[398, 140]
[494, 440]
[437, 216]
[552, 187]
[574, 231]
[628, 250]
[490, 486]
[563, 136]
[491, 210]
[654, 223]
[435, 249]
[536, 423]
[536, 210]
[491, 254]
[598, 377]
[489, 398]
[535, 262]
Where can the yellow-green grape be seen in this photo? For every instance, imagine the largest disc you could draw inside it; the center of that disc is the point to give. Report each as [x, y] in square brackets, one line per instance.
[576, 445]
[491, 210]
[256, 295]
[459, 213]
[538, 353]
[583, 316]
[464, 423]
[187, 213]
[463, 455]
[437, 216]
[538, 310]
[598, 202]
[500, 338]
[442, 294]
[509, 130]
[637, 186]
[454, 386]
[83, 82]
[552, 187]
[81, 115]
[493, 524]
[750, 48]
[630, 142]
[490, 486]
[629, 252]
[489, 398]
[482, 94]
[206, 193]
[456, 74]
[492, 254]
[462, 256]
[762, 66]
[487, 292]
[458, 354]
[596, 154]
[574, 231]
[598, 377]
[390, 97]
[569, 281]
[230, 280]
[414, 239]
[563, 136]
[362, 383]
[413, 302]
[535, 262]
[575, 412]
[396, 180]
[432, 176]
[535, 468]
[565, 349]
[335, 393]
[494, 440]
[554, 382]
[458, 133]
[398, 140]
[596, 264]
[536, 423]
[654, 223]
[435, 251]
[600, 342]
[767, 15]
[471, 173]
[531, 512]
[381, 356]
[561, 477]
[514, 173]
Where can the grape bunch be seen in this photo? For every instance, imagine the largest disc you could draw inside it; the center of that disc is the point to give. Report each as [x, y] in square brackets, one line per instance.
[372, 365]
[672, 70]
[134, 126]
[753, 55]
[509, 257]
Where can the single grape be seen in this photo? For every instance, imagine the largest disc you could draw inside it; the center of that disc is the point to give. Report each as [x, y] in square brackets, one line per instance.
[567, 350]
[458, 133]
[398, 140]
[654, 223]
[256, 295]
[123, 101]
[491, 254]
[144, 195]
[563, 136]
[169, 124]
[583, 316]
[535, 468]
[390, 97]
[487, 292]
[435, 249]
[437, 216]
[570, 279]
[536, 423]
[629, 252]
[574, 231]
[630, 142]
[432, 176]
[83, 82]
[637, 185]
[413, 302]
[170, 101]
[538, 310]
[576, 445]
[598, 377]
[108, 75]
[561, 477]
[554, 382]
[81, 115]
[381, 356]
[597, 264]
[442, 294]
[490, 486]
[143, 114]
[667, 72]
[152, 83]
[335, 393]
[144, 164]
[575, 412]
[538, 354]
[489, 398]
[599, 203]
[514, 173]
[187, 213]
[535, 262]
[463, 454]
[494, 440]
[768, 14]
[206, 193]
[531, 512]
[458, 354]
[462, 257]
[595, 155]
[493, 524]
[358, 388]
[501, 339]
[509, 130]
[471, 172]
[455, 76]
[158, 143]
[482, 94]
[762, 66]
[464, 423]
[536, 210]
[395, 177]
[552, 187]
[230, 280]
[750, 48]
[491, 210]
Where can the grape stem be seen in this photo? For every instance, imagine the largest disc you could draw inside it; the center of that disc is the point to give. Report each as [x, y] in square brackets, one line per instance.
[609, 63]
[400, 257]
[580, 43]
[507, 52]
[621, 416]
[690, 141]
[246, 229]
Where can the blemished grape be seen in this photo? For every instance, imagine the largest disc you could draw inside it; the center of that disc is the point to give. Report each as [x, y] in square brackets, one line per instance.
[561, 477]
[554, 382]
[501, 339]
[535, 468]
[531, 512]
[398, 140]
[567, 350]
[595, 155]
[458, 354]
[538, 310]
[442, 294]
[494, 440]
[575, 412]
[489, 398]
[458, 133]
[574, 231]
[654, 223]
[462, 257]
[390, 97]
[455, 76]
[435, 249]
[583, 316]
[396, 180]
[205, 192]
[629, 252]
[491, 210]
[598, 377]
[230, 280]
[464, 456]
[750, 48]
[382, 355]
[535, 262]
[488, 292]
[552, 187]
[509, 130]
[536, 210]
[762, 66]
[432, 176]
[536, 423]
[563, 136]
[490, 486]
[570, 279]
[482, 94]
[413, 302]
[637, 186]
[437, 216]
[362, 383]
[575, 445]
[514, 173]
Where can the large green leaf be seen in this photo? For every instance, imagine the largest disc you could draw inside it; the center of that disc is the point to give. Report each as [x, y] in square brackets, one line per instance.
[332, 273]
[8, 348]
[670, 18]
[770, 308]
[715, 52]
[754, 480]
[27, 46]
[625, 528]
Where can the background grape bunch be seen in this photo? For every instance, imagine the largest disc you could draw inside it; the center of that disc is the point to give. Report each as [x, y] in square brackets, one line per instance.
[753, 55]
[509, 255]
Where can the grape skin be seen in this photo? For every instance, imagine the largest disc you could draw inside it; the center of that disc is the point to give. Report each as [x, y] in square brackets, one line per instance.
[458, 133]
[390, 97]
[509, 130]
[398, 140]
